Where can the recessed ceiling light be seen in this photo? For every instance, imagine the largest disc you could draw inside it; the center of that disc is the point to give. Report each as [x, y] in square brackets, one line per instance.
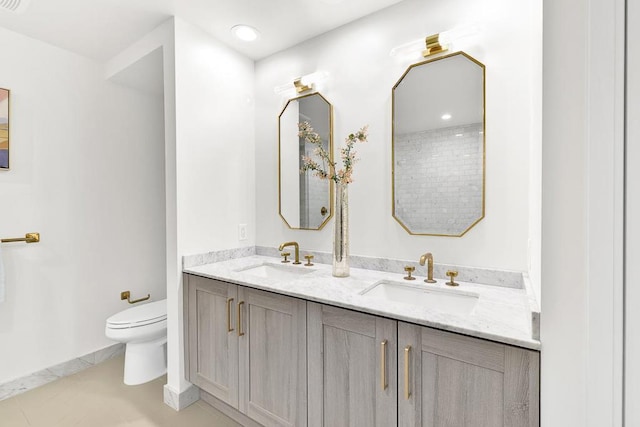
[446, 116]
[245, 32]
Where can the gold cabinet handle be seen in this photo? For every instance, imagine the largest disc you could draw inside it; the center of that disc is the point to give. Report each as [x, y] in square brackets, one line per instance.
[240, 332]
[229, 328]
[383, 365]
[407, 392]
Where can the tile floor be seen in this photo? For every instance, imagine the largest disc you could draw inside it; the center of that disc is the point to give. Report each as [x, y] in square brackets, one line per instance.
[96, 397]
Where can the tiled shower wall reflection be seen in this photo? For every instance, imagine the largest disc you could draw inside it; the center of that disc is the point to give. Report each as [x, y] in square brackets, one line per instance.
[438, 179]
[314, 194]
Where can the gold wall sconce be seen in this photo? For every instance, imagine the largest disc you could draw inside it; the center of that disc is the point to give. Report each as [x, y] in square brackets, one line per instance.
[300, 85]
[435, 43]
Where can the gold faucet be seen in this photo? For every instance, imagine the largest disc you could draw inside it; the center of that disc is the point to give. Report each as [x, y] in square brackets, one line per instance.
[429, 259]
[296, 247]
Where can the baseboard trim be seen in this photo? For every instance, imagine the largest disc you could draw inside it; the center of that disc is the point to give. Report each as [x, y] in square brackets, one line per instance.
[229, 411]
[70, 367]
[179, 401]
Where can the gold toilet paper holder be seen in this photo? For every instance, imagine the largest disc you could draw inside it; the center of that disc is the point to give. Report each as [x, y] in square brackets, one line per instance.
[126, 295]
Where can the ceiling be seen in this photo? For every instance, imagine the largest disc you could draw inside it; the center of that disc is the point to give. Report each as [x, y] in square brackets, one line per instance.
[100, 29]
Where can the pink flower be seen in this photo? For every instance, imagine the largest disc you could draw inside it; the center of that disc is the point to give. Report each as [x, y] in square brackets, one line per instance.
[343, 176]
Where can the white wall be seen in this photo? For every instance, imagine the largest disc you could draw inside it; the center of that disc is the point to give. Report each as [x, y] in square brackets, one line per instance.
[214, 126]
[632, 380]
[535, 153]
[87, 173]
[214, 158]
[563, 324]
[582, 202]
[361, 75]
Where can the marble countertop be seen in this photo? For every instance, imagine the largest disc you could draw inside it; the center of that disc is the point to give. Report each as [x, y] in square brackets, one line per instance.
[502, 314]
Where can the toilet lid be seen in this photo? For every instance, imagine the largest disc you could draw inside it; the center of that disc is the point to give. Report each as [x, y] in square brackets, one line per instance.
[141, 315]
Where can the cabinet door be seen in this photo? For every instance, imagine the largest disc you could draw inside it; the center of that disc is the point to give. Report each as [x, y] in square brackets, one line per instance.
[212, 340]
[352, 368]
[454, 380]
[273, 358]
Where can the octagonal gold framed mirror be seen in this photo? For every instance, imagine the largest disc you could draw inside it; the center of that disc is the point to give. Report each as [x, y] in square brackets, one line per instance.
[438, 146]
[304, 200]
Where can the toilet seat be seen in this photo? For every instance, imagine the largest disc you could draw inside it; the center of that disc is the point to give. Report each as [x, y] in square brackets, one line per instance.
[135, 317]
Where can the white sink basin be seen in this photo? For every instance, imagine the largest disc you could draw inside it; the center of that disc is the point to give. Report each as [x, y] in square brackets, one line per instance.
[445, 300]
[276, 271]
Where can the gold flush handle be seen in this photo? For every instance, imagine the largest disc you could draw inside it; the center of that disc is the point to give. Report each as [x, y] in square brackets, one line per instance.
[409, 270]
[452, 274]
[308, 258]
[285, 255]
[126, 295]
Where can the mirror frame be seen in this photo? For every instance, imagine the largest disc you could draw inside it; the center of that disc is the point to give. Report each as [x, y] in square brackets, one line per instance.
[484, 141]
[330, 182]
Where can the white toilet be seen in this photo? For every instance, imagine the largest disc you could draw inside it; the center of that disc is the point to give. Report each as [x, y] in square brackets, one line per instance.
[143, 329]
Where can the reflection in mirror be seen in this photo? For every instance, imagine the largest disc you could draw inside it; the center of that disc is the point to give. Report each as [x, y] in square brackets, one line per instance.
[305, 201]
[438, 146]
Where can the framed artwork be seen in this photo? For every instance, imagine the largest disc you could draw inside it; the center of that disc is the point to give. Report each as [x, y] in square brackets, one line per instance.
[4, 129]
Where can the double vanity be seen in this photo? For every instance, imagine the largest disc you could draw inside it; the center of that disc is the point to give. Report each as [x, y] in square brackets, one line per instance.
[274, 344]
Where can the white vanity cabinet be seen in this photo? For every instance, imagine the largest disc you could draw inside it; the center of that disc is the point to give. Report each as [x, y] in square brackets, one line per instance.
[247, 348]
[448, 379]
[352, 368]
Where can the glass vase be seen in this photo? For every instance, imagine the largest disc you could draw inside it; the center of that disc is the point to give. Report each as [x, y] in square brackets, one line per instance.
[341, 232]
